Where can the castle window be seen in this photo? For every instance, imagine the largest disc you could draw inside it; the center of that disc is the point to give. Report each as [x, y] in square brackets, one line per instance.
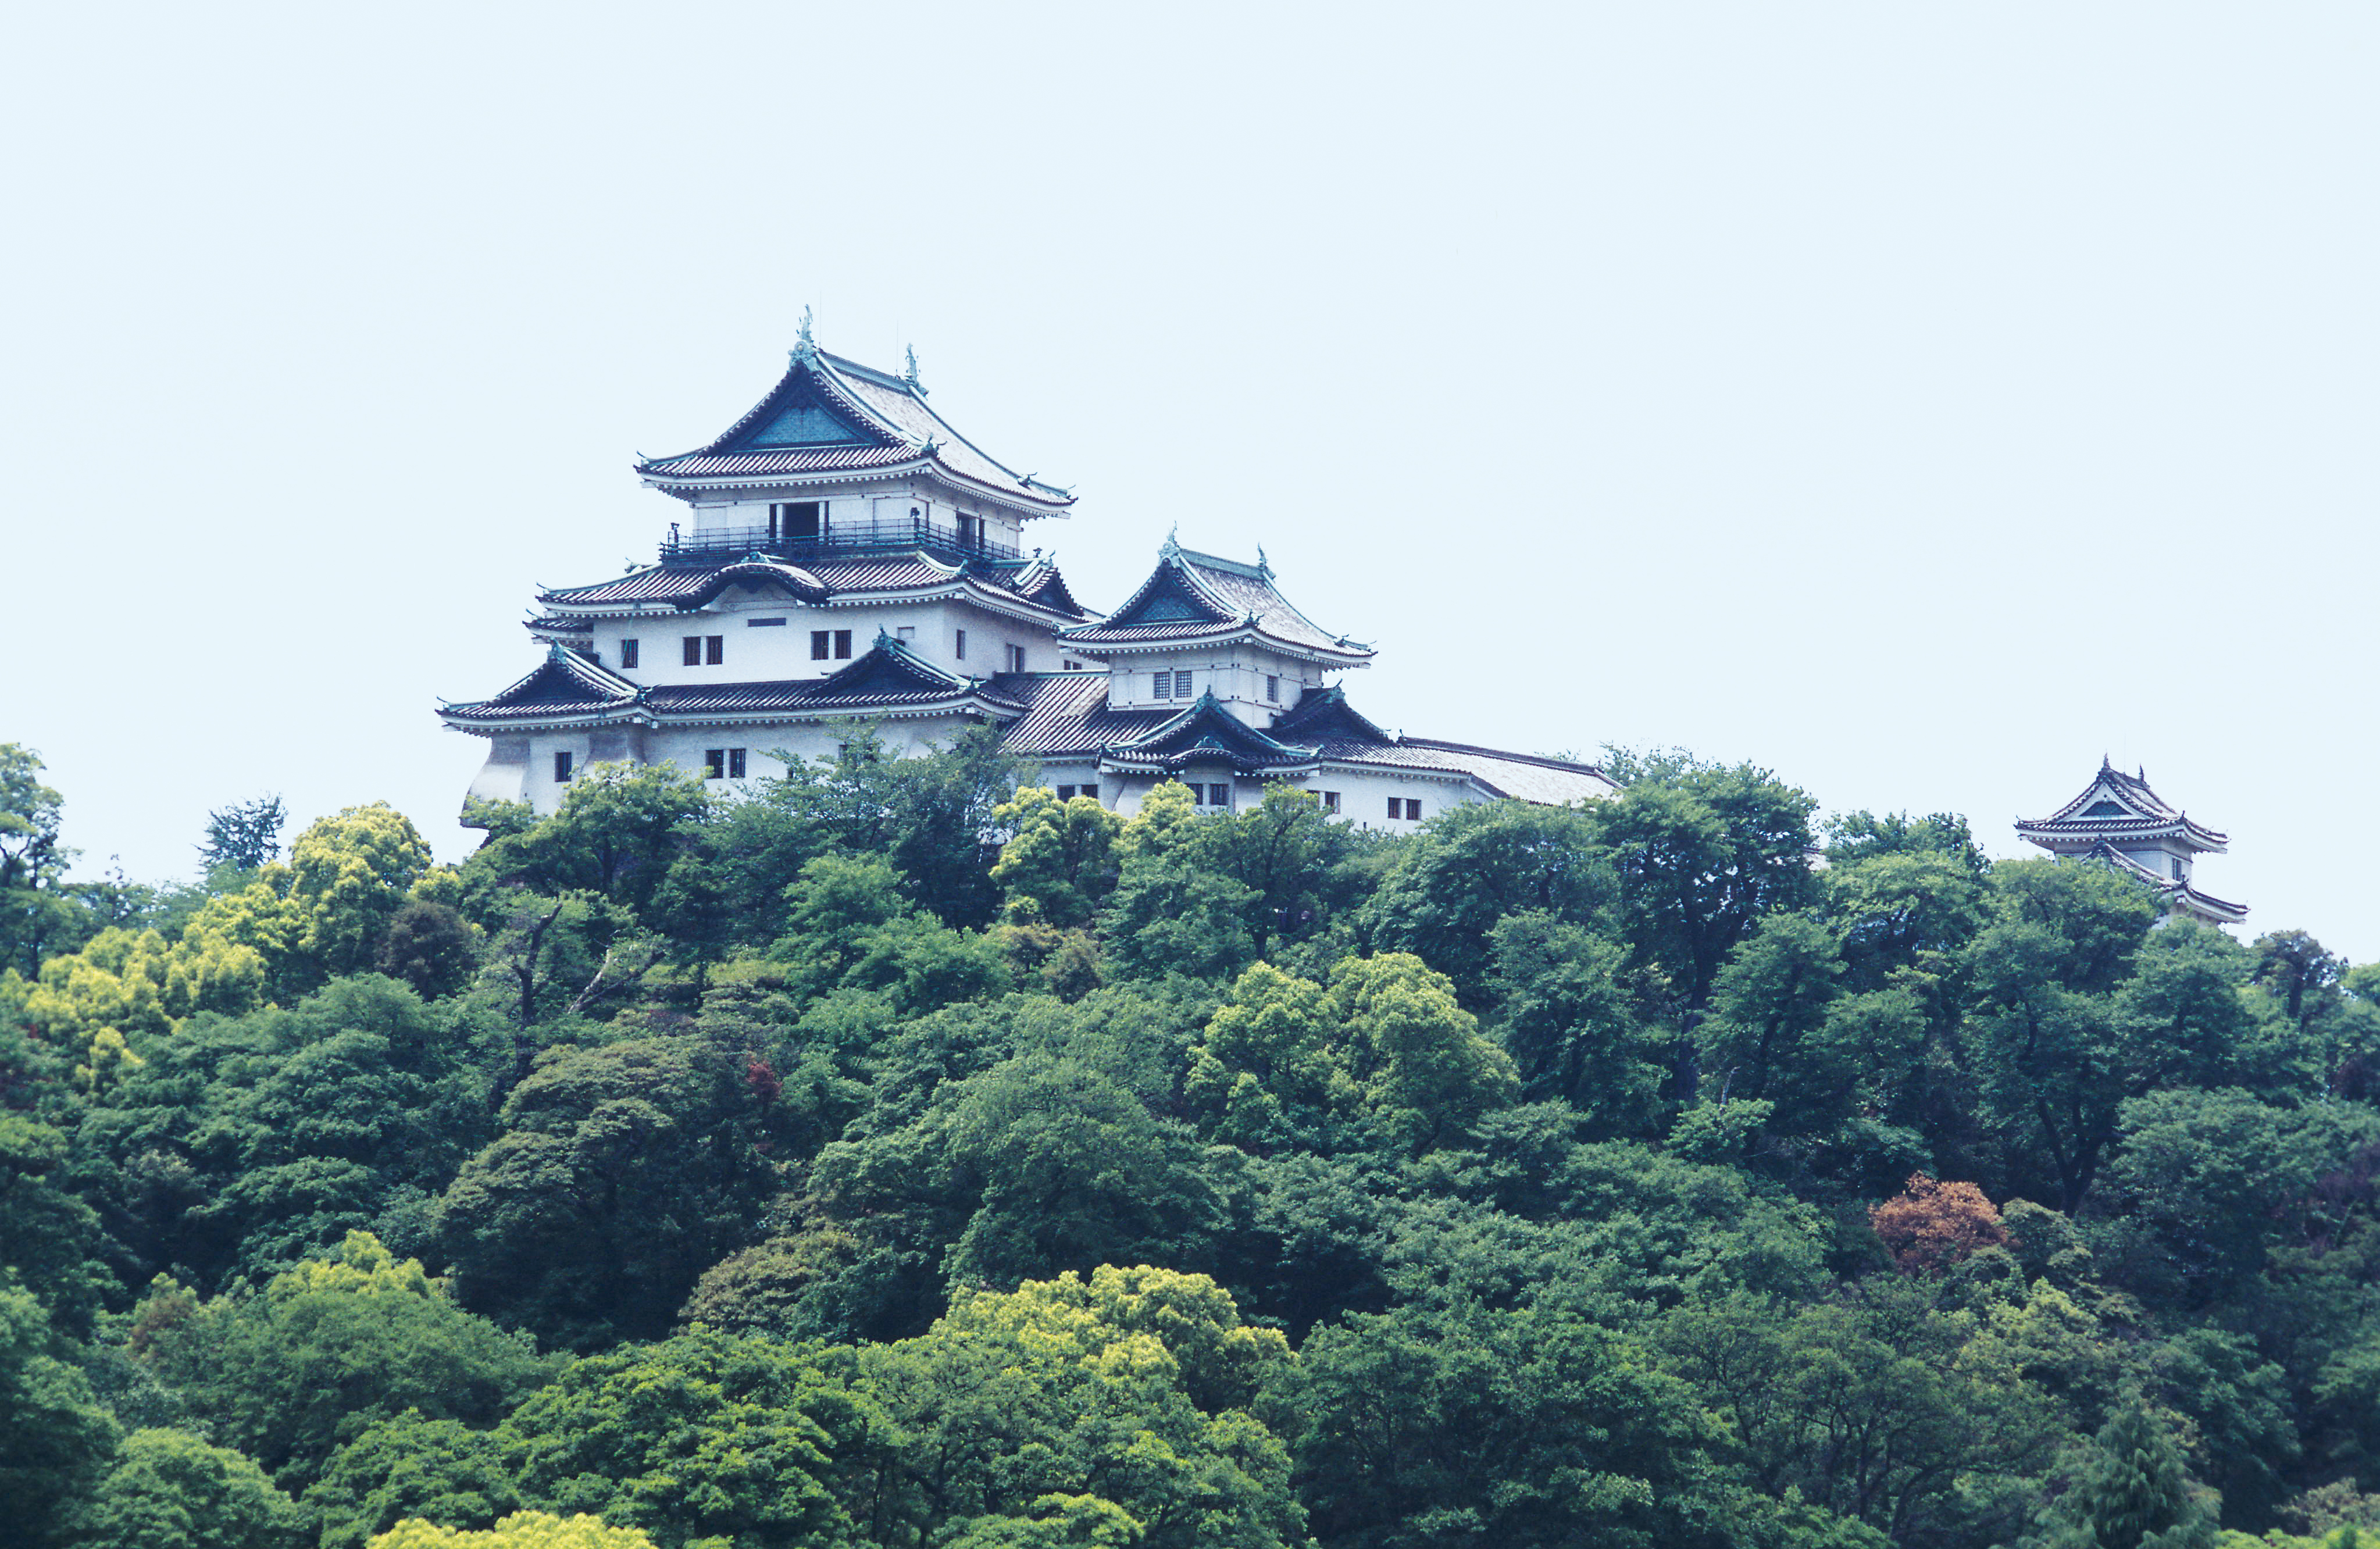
[1331, 801]
[1182, 685]
[958, 644]
[714, 763]
[1160, 686]
[822, 646]
[627, 653]
[1092, 792]
[693, 650]
[1272, 687]
[714, 649]
[1016, 659]
[970, 531]
[794, 519]
[1071, 666]
[2180, 868]
[906, 633]
[735, 763]
[843, 645]
[561, 768]
[1405, 809]
[1066, 793]
[764, 623]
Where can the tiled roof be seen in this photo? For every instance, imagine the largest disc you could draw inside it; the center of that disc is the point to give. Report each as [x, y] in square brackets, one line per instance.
[1549, 782]
[1067, 712]
[891, 673]
[1204, 732]
[566, 684]
[558, 626]
[2117, 805]
[828, 414]
[690, 585]
[1193, 596]
[1323, 716]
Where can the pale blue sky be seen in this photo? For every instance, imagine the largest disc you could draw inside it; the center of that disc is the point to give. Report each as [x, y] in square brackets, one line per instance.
[1918, 400]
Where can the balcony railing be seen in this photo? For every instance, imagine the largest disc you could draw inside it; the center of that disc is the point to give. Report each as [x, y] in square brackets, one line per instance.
[898, 532]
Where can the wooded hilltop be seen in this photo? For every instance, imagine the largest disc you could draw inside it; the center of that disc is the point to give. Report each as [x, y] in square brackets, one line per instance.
[899, 1158]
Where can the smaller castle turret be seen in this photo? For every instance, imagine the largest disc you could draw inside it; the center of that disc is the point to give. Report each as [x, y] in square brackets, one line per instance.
[2119, 821]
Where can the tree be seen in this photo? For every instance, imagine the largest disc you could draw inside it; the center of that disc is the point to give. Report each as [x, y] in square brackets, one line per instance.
[35, 919]
[171, 1490]
[1463, 872]
[1702, 850]
[1465, 1424]
[2133, 1495]
[351, 871]
[522, 1530]
[1930, 1224]
[244, 835]
[429, 946]
[1119, 1396]
[621, 1174]
[334, 1346]
[1059, 862]
[55, 1436]
[1568, 1019]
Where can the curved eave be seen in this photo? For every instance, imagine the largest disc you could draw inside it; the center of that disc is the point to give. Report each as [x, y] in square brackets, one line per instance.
[1126, 763]
[2062, 835]
[686, 487]
[459, 717]
[1218, 634]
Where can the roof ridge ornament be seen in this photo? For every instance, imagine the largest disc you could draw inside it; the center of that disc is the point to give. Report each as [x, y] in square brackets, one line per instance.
[1262, 563]
[909, 375]
[805, 347]
[1170, 548]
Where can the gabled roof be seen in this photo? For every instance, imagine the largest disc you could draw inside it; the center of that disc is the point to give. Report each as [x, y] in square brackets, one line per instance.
[891, 673]
[1324, 718]
[1207, 733]
[828, 417]
[2118, 806]
[1200, 597]
[564, 686]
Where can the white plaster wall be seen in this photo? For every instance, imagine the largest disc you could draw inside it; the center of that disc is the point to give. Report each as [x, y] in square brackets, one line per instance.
[1235, 675]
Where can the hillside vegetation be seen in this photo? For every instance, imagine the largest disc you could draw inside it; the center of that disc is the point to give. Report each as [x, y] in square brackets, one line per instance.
[899, 1158]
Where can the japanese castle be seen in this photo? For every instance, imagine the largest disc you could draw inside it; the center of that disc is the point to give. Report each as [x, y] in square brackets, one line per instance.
[849, 559]
[2119, 822]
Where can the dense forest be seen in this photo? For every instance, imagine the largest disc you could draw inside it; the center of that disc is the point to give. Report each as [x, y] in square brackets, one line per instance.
[899, 1157]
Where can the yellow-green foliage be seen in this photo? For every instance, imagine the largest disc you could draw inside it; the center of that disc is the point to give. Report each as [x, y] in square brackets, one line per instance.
[1061, 859]
[522, 1530]
[351, 871]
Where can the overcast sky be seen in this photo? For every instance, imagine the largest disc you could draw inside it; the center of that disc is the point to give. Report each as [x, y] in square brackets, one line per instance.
[1919, 401]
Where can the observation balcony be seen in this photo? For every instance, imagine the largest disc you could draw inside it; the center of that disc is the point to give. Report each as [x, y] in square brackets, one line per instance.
[902, 533]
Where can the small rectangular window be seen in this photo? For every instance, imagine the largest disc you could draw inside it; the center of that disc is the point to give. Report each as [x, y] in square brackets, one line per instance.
[1272, 687]
[694, 651]
[1160, 686]
[2179, 869]
[822, 645]
[843, 645]
[714, 763]
[794, 519]
[561, 768]
[1092, 792]
[1071, 666]
[958, 646]
[1066, 793]
[735, 763]
[764, 623]
[716, 646]
[627, 653]
[1182, 685]
[1016, 659]
[1331, 801]
[906, 633]
[1412, 809]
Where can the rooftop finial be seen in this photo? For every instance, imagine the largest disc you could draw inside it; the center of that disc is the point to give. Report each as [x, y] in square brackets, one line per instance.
[804, 346]
[1262, 563]
[1167, 549]
[909, 376]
